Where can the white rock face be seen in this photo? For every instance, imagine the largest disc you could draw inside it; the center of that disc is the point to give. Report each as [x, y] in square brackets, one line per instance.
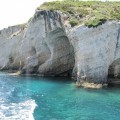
[10, 43]
[95, 51]
[42, 47]
[49, 46]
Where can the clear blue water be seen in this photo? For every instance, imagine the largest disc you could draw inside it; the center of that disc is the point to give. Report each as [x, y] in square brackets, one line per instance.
[28, 98]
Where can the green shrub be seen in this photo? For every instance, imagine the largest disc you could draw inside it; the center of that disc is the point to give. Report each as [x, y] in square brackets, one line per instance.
[82, 12]
[69, 11]
[115, 14]
[73, 22]
[96, 22]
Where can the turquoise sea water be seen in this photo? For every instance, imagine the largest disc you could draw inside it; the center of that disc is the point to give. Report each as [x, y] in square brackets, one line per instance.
[29, 98]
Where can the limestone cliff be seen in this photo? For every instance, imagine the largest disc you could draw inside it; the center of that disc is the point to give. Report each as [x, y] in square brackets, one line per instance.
[48, 45]
[41, 47]
[97, 52]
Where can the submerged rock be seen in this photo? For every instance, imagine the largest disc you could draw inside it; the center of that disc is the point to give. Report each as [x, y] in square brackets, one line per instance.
[90, 85]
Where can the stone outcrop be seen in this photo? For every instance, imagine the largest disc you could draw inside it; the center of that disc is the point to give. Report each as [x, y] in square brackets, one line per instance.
[97, 52]
[41, 47]
[48, 45]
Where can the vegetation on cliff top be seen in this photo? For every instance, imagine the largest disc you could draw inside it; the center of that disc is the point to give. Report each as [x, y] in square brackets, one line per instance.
[90, 13]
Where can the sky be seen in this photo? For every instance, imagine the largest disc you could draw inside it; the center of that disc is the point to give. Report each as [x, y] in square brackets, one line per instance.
[13, 12]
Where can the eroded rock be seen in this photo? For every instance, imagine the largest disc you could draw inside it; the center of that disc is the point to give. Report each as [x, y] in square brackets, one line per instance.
[49, 46]
[43, 47]
[95, 50]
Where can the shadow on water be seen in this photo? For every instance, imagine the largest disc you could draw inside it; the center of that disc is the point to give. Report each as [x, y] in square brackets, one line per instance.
[48, 78]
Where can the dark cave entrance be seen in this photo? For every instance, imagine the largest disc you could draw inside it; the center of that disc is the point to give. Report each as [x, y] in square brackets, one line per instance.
[114, 73]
